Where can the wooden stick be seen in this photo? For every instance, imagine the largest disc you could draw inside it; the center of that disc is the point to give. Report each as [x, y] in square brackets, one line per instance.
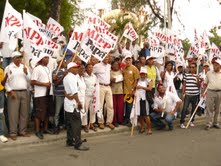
[194, 111]
[74, 56]
[133, 123]
[120, 39]
[61, 61]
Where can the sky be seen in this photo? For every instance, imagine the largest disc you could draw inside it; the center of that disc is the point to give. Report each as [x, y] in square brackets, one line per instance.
[200, 14]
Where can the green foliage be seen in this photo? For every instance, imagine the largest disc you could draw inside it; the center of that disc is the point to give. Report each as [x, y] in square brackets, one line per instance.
[186, 45]
[216, 39]
[41, 9]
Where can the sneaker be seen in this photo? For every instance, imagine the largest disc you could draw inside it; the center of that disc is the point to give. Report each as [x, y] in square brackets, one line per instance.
[182, 126]
[3, 139]
[101, 126]
[207, 128]
[111, 126]
[216, 126]
[192, 124]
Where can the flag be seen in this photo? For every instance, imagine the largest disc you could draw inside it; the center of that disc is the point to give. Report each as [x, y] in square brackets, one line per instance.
[53, 28]
[133, 114]
[130, 33]
[214, 52]
[193, 51]
[34, 41]
[96, 99]
[11, 23]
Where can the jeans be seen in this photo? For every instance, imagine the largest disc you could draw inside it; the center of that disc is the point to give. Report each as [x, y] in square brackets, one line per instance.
[128, 108]
[1, 124]
[156, 119]
[179, 93]
[187, 100]
[59, 102]
[6, 62]
[2, 97]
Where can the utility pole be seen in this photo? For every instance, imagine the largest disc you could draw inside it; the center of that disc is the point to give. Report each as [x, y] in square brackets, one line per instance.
[169, 14]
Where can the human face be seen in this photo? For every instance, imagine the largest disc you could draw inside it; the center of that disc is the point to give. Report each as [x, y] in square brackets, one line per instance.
[161, 89]
[128, 62]
[180, 69]
[73, 70]
[192, 68]
[216, 67]
[150, 61]
[45, 61]
[106, 60]
[89, 69]
[143, 76]
[115, 66]
[142, 60]
[17, 60]
[169, 67]
[81, 70]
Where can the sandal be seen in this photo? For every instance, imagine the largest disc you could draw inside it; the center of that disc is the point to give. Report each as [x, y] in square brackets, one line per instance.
[149, 132]
[92, 127]
[142, 130]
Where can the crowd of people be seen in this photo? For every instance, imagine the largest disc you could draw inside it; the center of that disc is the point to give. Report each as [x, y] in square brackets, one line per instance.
[61, 91]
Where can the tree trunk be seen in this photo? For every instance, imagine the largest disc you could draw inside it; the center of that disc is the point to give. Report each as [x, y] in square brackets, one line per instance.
[55, 9]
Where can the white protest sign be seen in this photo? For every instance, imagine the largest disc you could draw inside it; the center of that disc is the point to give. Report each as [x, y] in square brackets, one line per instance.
[214, 52]
[130, 33]
[53, 28]
[11, 23]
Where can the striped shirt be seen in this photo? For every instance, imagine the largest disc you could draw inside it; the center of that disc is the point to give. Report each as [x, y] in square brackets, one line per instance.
[191, 84]
[59, 89]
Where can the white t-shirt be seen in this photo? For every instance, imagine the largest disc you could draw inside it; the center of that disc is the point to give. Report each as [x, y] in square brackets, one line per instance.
[41, 74]
[6, 51]
[168, 79]
[141, 93]
[52, 64]
[171, 100]
[71, 88]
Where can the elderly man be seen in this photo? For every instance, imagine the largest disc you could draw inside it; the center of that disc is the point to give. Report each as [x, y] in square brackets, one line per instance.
[102, 71]
[131, 75]
[16, 87]
[41, 79]
[213, 98]
[72, 107]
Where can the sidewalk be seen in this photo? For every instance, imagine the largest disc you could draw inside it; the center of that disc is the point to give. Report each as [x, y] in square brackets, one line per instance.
[62, 135]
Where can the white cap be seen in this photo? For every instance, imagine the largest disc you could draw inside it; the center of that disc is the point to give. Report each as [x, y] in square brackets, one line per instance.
[16, 54]
[143, 70]
[72, 65]
[42, 55]
[127, 54]
[148, 57]
[218, 61]
[179, 64]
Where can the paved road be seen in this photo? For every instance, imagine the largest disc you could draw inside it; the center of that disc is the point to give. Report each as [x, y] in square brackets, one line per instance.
[192, 147]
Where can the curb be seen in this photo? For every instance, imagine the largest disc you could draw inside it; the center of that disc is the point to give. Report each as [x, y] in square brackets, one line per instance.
[33, 140]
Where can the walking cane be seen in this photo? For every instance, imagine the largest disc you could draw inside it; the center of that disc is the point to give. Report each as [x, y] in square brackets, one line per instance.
[133, 123]
[195, 110]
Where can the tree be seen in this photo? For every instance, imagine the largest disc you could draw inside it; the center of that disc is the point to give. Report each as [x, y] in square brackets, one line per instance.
[60, 10]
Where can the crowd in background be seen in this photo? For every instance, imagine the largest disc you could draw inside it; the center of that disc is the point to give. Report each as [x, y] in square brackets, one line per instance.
[130, 81]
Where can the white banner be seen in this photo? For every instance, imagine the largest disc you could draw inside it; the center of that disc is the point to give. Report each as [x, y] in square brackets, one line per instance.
[97, 21]
[214, 52]
[130, 33]
[34, 41]
[193, 51]
[11, 23]
[53, 28]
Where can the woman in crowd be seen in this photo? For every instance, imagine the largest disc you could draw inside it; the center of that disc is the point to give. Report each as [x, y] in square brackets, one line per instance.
[117, 91]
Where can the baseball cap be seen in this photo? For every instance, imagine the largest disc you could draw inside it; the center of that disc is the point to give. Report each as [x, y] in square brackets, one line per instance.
[16, 54]
[143, 70]
[72, 65]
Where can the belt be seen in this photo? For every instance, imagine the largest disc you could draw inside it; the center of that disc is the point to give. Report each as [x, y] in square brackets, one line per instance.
[104, 84]
[20, 90]
[215, 90]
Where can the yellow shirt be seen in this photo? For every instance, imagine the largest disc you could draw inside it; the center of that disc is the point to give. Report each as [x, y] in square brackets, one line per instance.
[131, 75]
[1, 79]
[152, 74]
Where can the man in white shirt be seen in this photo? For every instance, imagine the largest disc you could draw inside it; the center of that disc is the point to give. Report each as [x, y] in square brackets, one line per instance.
[16, 87]
[41, 79]
[72, 105]
[102, 71]
[6, 54]
[135, 49]
[165, 106]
